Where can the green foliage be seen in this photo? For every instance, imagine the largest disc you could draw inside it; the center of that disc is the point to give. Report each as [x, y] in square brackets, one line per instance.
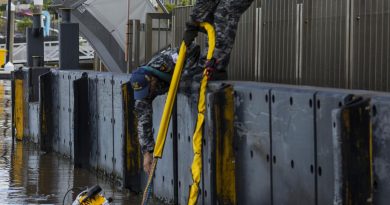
[2, 23]
[23, 24]
[32, 7]
[184, 2]
[46, 4]
[3, 7]
[170, 7]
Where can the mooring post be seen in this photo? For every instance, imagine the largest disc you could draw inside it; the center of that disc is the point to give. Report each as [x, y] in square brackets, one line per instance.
[35, 40]
[69, 42]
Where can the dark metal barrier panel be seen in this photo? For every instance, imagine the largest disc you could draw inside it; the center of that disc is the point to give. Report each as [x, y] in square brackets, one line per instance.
[293, 139]
[133, 168]
[354, 149]
[208, 182]
[380, 125]
[92, 95]
[163, 184]
[18, 102]
[253, 143]
[26, 100]
[186, 120]
[336, 135]
[64, 143]
[64, 99]
[72, 76]
[33, 122]
[13, 126]
[46, 112]
[225, 157]
[82, 141]
[326, 101]
[218, 182]
[117, 120]
[104, 127]
[55, 111]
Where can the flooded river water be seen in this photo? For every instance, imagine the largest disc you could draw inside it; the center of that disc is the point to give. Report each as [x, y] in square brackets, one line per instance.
[28, 176]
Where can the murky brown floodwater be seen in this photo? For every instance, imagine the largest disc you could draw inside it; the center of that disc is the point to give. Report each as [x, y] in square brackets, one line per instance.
[28, 176]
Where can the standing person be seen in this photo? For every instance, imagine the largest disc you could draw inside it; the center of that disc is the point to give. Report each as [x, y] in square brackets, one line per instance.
[149, 81]
[224, 15]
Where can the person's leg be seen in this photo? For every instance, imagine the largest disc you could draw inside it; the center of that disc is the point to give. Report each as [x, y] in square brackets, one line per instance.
[203, 10]
[226, 18]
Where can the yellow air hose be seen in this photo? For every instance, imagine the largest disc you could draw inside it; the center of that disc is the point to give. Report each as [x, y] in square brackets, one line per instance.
[196, 167]
[166, 116]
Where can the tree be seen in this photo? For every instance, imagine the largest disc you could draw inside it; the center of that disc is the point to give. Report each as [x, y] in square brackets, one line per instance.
[23, 24]
[46, 4]
[169, 7]
[184, 2]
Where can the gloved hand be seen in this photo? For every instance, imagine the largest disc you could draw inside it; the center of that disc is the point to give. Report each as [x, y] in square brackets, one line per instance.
[212, 72]
[210, 68]
[191, 32]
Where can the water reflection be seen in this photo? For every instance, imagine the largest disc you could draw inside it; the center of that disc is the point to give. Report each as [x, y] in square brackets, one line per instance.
[28, 176]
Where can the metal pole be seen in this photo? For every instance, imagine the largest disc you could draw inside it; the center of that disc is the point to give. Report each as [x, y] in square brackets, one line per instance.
[128, 37]
[11, 38]
[8, 29]
[129, 45]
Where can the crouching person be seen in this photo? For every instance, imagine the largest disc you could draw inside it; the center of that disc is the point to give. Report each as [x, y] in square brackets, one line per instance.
[149, 81]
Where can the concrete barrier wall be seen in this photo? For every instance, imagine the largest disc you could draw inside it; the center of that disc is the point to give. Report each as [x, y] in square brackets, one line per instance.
[263, 143]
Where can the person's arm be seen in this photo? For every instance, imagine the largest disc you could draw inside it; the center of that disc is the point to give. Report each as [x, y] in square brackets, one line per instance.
[144, 113]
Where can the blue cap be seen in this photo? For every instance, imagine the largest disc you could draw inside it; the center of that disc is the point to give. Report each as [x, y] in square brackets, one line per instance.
[140, 84]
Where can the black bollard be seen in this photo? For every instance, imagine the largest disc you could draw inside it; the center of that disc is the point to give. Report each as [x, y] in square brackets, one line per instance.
[69, 43]
[35, 40]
